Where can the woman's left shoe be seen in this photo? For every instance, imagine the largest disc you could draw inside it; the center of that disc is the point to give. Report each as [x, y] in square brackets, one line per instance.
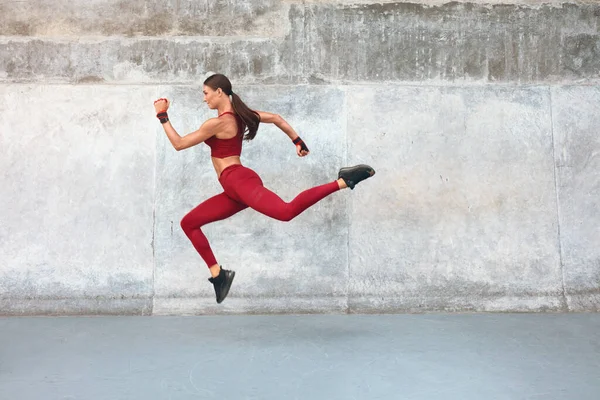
[353, 175]
[222, 283]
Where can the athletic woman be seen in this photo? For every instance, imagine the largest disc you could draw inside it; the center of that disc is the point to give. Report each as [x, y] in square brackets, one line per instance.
[242, 187]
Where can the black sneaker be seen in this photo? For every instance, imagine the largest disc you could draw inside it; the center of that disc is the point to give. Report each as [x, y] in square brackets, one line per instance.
[222, 283]
[353, 175]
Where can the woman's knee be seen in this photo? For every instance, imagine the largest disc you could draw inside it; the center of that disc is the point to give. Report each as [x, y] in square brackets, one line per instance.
[187, 224]
[286, 214]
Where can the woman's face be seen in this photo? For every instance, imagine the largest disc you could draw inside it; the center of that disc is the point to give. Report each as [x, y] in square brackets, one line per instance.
[211, 97]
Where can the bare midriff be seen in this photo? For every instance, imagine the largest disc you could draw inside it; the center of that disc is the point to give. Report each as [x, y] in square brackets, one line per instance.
[221, 163]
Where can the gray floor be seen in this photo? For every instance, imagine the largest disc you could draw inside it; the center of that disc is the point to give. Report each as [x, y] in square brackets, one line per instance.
[497, 356]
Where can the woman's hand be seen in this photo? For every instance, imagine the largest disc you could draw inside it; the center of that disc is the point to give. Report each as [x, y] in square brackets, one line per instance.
[161, 104]
[301, 148]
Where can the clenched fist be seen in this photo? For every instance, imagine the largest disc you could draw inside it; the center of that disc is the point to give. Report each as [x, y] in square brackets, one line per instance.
[161, 104]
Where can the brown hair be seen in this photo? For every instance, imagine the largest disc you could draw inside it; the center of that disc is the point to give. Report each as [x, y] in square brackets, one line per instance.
[250, 118]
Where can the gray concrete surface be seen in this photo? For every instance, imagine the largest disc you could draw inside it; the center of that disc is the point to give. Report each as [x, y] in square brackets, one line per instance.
[77, 198]
[295, 42]
[429, 357]
[462, 214]
[466, 184]
[479, 118]
[578, 187]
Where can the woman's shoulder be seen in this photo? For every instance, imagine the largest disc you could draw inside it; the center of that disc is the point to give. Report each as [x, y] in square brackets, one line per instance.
[212, 122]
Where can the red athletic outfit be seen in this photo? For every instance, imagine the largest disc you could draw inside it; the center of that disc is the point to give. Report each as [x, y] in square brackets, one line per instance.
[221, 148]
[243, 188]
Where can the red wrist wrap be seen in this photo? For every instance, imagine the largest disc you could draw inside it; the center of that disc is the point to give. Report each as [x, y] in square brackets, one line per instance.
[301, 143]
[162, 116]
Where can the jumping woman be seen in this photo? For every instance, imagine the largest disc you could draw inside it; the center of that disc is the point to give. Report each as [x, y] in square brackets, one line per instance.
[242, 187]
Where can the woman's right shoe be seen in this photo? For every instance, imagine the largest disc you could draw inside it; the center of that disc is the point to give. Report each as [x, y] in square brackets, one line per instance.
[222, 283]
[353, 175]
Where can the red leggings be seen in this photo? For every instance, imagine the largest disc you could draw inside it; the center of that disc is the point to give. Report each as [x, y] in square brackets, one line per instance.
[243, 188]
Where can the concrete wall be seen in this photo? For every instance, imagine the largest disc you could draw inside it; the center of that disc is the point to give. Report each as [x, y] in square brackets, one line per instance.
[480, 119]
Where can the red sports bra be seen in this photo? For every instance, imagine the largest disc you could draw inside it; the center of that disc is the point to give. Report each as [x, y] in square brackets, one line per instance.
[221, 148]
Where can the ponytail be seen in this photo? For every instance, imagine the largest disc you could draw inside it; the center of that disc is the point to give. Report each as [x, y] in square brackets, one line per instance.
[250, 118]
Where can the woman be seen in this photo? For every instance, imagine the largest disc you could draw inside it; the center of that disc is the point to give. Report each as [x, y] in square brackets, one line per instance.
[242, 187]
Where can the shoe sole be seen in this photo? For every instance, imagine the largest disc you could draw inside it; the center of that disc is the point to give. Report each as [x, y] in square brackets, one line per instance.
[226, 288]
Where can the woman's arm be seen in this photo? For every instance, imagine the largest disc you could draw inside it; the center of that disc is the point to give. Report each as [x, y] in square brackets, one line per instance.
[279, 122]
[180, 143]
[203, 133]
